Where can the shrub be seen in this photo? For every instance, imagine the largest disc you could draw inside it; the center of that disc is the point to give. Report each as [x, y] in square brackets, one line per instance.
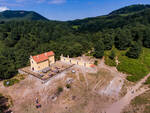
[96, 62]
[109, 61]
[112, 55]
[147, 81]
[4, 104]
[99, 49]
[60, 89]
[134, 51]
[10, 82]
[68, 86]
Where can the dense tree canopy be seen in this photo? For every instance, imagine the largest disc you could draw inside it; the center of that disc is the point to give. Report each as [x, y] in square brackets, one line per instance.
[134, 51]
[99, 49]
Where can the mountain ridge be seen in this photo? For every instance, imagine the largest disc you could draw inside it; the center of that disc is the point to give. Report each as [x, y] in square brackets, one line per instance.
[9, 15]
[130, 9]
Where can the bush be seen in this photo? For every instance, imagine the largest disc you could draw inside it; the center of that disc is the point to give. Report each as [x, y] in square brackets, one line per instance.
[4, 104]
[112, 55]
[148, 81]
[109, 61]
[60, 89]
[96, 62]
[10, 82]
[134, 51]
[68, 86]
[99, 49]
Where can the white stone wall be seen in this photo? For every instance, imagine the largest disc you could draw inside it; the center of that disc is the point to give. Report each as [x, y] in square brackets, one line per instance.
[74, 61]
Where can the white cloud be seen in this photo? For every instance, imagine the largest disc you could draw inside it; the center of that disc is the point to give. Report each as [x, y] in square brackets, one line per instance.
[57, 1]
[3, 8]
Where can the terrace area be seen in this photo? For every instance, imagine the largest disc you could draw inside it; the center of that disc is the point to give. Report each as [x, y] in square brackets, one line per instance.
[47, 73]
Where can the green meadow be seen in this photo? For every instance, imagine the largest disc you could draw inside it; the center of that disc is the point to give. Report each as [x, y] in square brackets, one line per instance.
[136, 68]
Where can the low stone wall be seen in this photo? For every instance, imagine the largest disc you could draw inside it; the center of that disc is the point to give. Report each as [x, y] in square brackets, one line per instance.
[74, 61]
[30, 73]
[27, 71]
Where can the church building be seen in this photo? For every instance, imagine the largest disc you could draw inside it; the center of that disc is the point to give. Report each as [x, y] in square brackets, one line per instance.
[42, 61]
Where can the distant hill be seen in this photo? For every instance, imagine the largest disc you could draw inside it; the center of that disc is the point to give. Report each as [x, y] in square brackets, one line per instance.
[129, 15]
[130, 9]
[20, 15]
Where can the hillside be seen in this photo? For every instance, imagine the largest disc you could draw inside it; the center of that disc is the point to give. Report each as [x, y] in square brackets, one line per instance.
[118, 18]
[124, 36]
[130, 9]
[20, 15]
[117, 43]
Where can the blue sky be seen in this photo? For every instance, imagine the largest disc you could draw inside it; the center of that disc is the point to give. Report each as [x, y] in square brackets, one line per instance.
[68, 9]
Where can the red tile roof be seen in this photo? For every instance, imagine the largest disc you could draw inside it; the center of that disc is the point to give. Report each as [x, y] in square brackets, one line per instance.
[92, 65]
[42, 57]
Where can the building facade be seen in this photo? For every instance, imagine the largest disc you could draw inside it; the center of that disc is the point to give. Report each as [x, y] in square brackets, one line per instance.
[42, 61]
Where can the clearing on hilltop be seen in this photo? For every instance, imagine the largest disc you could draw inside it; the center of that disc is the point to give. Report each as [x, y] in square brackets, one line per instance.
[93, 65]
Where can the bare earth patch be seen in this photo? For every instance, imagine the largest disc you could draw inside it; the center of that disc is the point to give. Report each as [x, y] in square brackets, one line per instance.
[91, 91]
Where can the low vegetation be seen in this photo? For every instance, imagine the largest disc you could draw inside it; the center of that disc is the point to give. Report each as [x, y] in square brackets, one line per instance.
[137, 68]
[59, 89]
[3, 104]
[96, 62]
[68, 86]
[148, 81]
[10, 82]
[14, 80]
[109, 61]
[140, 104]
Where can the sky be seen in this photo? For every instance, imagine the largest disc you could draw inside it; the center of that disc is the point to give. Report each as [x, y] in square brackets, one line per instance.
[68, 9]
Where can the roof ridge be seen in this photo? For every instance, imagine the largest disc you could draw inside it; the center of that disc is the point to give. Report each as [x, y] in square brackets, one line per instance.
[42, 57]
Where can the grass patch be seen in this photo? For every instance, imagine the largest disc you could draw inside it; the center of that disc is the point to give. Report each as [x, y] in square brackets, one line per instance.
[13, 80]
[75, 27]
[133, 67]
[148, 81]
[137, 68]
[10, 82]
[140, 101]
[109, 61]
[147, 109]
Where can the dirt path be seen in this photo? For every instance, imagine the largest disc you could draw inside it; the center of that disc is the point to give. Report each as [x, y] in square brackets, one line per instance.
[132, 92]
[111, 69]
[84, 74]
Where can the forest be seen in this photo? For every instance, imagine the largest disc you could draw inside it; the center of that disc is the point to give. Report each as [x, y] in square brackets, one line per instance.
[127, 30]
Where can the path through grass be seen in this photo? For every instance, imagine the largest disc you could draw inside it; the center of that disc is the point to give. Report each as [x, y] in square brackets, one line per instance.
[136, 68]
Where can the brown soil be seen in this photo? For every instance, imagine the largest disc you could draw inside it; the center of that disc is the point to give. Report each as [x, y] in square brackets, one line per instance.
[83, 97]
